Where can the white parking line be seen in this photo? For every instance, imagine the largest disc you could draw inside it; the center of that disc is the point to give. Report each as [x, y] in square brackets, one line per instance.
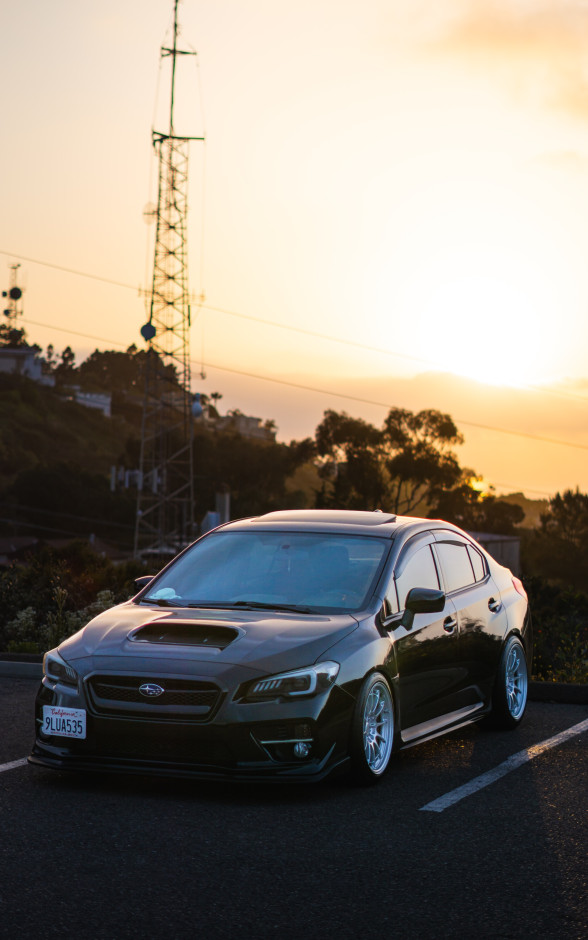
[13, 764]
[478, 783]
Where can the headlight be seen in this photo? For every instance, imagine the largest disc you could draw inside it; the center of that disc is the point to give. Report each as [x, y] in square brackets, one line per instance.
[56, 668]
[293, 684]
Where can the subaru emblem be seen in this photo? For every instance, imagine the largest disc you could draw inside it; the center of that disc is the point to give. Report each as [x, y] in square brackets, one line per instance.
[151, 689]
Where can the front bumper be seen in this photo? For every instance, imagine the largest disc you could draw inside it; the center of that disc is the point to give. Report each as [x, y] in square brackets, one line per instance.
[239, 741]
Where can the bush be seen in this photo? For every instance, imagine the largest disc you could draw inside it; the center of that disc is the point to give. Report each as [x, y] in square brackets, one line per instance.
[560, 622]
[55, 592]
[31, 633]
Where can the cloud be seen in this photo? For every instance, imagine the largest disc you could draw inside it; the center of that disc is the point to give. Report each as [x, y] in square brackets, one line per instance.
[536, 47]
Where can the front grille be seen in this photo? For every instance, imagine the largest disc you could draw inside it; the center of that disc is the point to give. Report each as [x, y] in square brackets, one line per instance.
[184, 699]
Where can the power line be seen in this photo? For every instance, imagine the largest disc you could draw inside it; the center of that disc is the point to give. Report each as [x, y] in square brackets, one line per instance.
[376, 349]
[280, 326]
[39, 527]
[58, 267]
[65, 515]
[61, 329]
[381, 404]
[345, 395]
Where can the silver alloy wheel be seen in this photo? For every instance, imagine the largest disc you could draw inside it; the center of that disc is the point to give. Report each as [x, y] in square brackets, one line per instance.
[378, 727]
[516, 681]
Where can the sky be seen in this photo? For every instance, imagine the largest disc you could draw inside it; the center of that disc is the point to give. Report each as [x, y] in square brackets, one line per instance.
[390, 208]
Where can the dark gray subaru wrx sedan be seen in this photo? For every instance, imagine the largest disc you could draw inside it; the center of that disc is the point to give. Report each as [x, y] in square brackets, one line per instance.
[288, 645]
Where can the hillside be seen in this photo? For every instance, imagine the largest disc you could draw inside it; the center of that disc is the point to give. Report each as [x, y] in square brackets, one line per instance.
[39, 427]
[533, 508]
[56, 458]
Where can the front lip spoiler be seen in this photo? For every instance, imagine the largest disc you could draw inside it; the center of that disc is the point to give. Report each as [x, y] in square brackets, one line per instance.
[303, 773]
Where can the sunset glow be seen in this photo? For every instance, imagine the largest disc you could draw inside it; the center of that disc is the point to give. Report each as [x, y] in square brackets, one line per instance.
[388, 191]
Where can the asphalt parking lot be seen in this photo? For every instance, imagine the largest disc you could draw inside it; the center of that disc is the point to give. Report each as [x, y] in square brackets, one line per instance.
[116, 857]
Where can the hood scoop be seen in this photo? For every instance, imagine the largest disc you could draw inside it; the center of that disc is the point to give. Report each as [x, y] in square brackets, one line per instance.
[186, 633]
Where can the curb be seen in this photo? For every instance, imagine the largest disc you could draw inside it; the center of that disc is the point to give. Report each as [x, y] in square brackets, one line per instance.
[568, 693]
[30, 666]
[13, 670]
[21, 665]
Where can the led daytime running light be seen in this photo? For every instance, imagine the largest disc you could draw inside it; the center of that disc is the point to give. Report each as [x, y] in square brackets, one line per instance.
[298, 682]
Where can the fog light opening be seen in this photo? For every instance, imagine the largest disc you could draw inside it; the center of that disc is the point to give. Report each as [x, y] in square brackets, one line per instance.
[301, 750]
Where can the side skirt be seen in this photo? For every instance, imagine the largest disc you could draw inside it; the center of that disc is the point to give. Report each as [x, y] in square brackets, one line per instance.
[432, 729]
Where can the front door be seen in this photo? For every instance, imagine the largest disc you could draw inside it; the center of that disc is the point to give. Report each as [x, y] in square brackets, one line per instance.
[427, 654]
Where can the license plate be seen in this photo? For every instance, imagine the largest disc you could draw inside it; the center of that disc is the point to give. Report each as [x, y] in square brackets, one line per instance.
[64, 722]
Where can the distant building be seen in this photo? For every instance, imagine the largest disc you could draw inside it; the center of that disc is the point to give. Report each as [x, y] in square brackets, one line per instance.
[101, 401]
[505, 549]
[245, 425]
[23, 360]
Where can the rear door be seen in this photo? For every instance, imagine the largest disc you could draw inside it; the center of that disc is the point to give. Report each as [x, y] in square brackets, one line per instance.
[481, 616]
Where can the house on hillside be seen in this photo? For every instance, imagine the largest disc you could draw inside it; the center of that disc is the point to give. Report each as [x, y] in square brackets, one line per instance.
[101, 401]
[245, 425]
[23, 360]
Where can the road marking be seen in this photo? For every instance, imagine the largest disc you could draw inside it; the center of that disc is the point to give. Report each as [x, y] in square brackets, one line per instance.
[517, 760]
[13, 764]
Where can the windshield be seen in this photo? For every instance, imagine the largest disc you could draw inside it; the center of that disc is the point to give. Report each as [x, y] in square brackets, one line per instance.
[274, 569]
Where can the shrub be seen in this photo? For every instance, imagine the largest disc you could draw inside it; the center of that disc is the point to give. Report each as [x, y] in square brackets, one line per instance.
[31, 633]
[55, 592]
[560, 622]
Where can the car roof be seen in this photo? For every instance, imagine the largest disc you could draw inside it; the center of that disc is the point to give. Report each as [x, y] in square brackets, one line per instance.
[342, 521]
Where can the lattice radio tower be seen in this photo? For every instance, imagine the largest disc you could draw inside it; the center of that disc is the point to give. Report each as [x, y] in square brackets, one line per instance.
[165, 491]
[14, 295]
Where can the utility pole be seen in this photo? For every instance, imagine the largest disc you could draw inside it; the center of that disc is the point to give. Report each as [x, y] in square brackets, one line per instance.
[165, 491]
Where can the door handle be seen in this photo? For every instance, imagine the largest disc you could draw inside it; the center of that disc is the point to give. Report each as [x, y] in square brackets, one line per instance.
[449, 624]
[494, 605]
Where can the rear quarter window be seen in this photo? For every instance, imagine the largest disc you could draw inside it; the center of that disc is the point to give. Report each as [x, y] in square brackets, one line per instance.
[456, 566]
[478, 563]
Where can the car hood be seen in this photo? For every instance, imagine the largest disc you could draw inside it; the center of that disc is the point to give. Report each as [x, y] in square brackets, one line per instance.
[135, 638]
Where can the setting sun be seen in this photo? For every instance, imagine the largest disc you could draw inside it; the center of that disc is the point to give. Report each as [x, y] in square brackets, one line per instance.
[479, 327]
[388, 190]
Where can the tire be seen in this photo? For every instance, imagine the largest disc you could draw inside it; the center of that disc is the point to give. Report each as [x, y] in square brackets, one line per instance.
[372, 731]
[512, 683]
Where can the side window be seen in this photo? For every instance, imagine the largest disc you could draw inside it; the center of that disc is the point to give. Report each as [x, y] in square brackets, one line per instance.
[477, 563]
[456, 565]
[419, 570]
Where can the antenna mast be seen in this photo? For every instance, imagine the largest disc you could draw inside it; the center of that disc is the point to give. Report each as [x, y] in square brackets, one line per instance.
[165, 491]
[14, 295]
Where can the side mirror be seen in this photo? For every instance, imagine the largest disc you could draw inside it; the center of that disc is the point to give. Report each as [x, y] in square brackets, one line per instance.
[421, 601]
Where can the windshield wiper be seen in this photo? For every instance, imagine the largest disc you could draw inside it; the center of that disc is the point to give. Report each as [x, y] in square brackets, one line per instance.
[228, 605]
[259, 605]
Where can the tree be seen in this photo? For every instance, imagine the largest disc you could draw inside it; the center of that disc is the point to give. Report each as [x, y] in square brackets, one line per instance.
[420, 463]
[404, 465]
[216, 397]
[112, 370]
[351, 469]
[255, 471]
[559, 549]
[474, 511]
[66, 370]
[13, 338]
[49, 362]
